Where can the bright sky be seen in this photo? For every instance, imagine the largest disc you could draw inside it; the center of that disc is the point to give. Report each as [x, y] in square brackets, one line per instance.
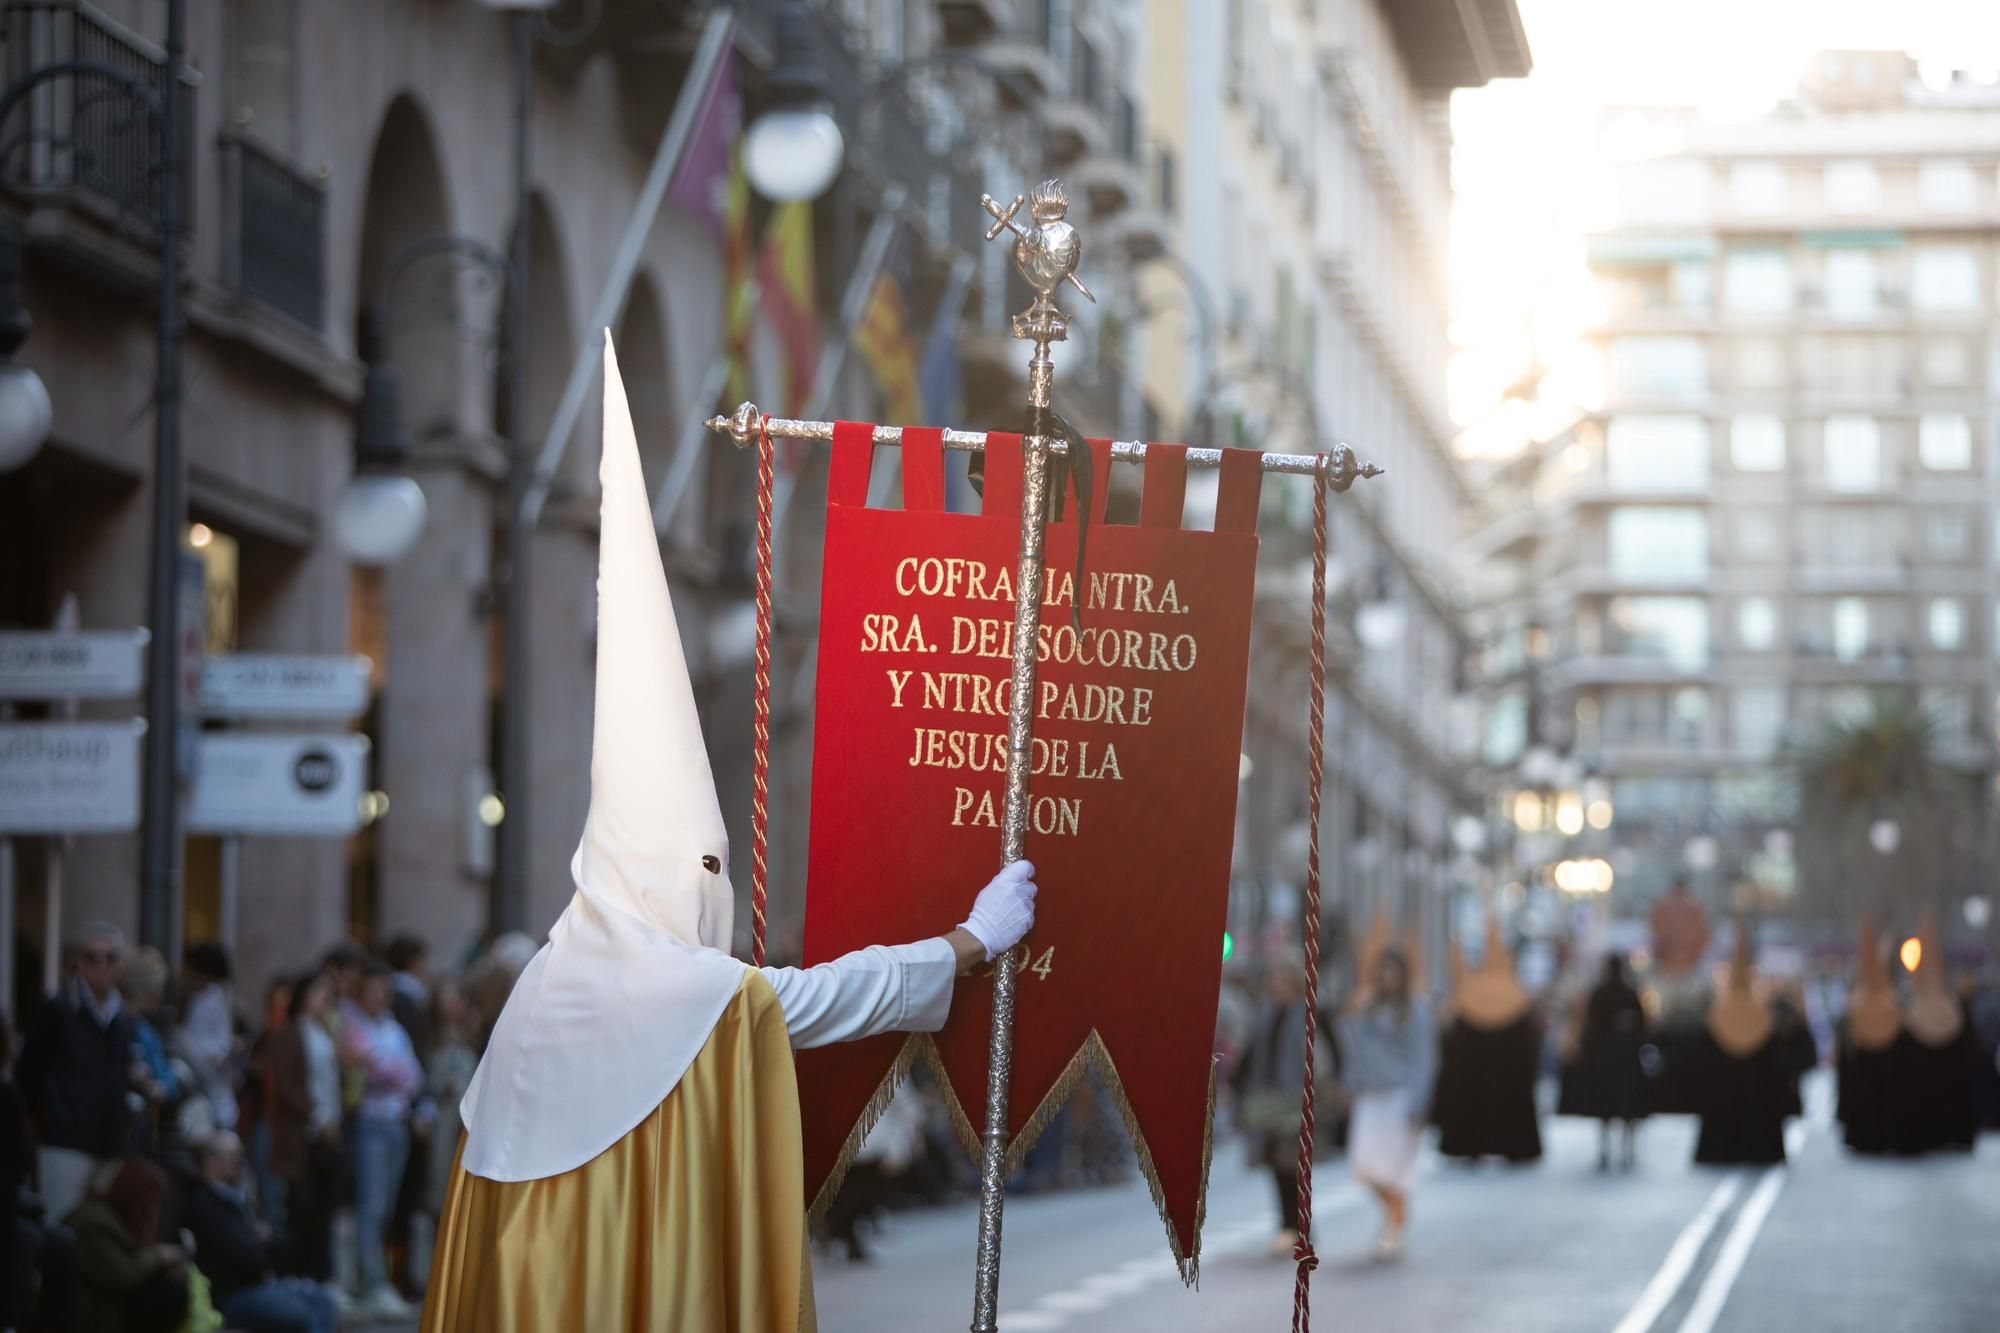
[1526, 163]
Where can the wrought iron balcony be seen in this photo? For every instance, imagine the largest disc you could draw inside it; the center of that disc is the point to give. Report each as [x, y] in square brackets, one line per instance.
[1023, 47]
[84, 138]
[278, 246]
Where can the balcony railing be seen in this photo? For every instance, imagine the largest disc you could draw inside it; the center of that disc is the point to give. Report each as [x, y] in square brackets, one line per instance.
[280, 233]
[85, 133]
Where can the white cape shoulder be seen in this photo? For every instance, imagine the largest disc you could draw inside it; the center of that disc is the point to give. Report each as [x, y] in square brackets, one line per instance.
[598, 1031]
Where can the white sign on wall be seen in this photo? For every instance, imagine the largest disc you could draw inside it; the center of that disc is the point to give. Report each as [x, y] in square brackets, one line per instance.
[302, 786]
[284, 685]
[97, 664]
[70, 777]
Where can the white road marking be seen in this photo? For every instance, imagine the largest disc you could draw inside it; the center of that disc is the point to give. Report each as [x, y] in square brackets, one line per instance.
[1056, 1310]
[1077, 1300]
[1729, 1260]
[1659, 1292]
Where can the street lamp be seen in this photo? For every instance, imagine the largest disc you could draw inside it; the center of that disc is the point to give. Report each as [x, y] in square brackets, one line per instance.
[25, 416]
[793, 150]
[1885, 836]
[381, 513]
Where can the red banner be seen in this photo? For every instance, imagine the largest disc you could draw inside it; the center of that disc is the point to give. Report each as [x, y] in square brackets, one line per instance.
[1137, 736]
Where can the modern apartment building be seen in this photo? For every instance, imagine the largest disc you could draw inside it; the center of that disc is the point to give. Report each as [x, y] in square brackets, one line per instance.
[1785, 503]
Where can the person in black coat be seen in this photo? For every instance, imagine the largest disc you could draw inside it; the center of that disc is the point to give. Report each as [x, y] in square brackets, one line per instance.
[1610, 1078]
[235, 1251]
[78, 1064]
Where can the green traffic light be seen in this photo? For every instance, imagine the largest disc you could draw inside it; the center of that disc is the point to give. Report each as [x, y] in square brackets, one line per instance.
[1228, 945]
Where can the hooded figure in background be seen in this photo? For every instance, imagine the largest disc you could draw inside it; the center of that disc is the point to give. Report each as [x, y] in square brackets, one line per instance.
[1868, 1055]
[1488, 1059]
[631, 1159]
[1934, 1104]
[1742, 1084]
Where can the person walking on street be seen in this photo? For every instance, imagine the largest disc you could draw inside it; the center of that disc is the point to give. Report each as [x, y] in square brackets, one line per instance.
[78, 1066]
[1388, 1043]
[1612, 1081]
[380, 1130]
[237, 1249]
[1266, 1082]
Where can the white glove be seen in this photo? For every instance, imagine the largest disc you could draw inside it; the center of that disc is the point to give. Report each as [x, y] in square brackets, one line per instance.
[1004, 909]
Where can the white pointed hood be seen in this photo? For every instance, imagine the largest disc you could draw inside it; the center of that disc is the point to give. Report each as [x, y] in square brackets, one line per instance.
[653, 844]
[615, 1007]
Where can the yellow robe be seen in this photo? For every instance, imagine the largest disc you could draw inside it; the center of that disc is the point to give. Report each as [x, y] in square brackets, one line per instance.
[694, 1222]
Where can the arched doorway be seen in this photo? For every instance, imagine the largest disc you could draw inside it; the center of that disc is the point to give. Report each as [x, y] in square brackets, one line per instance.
[423, 868]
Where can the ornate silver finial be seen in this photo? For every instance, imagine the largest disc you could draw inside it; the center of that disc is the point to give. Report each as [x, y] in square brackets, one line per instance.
[740, 425]
[1046, 254]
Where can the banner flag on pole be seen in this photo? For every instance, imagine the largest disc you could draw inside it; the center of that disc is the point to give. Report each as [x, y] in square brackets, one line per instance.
[701, 184]
[785, 284]
[883, 339]
[1137, 735]
[738, 294]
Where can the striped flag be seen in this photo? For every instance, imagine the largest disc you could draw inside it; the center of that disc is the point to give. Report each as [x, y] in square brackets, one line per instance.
[884, 341]
[785, 280]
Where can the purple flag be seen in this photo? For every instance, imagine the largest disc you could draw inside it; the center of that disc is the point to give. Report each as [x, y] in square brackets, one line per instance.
[701, 185]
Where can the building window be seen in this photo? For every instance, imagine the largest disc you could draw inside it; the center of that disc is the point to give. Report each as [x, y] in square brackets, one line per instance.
[1756, 624]
[1945, 187]
[1656, 453]
[1949, 711]
[1757, 718]
[1651, 545]
[1757, 187]
[1944, 441]
[1757, 281]
[1758, 536]
[264, 78]
[1944, 279]
[1757, 443]
[1853, 454]
[1946, 622]
[1659, 368]
[1948, 534]
[1946, 364]
[1851, 287]
[1852, 187]
[1664, 629]
[1850, 629]
[1854, 539]
[1759, 363]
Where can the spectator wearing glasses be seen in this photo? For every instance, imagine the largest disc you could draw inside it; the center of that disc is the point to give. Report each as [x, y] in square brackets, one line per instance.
[78, 1068]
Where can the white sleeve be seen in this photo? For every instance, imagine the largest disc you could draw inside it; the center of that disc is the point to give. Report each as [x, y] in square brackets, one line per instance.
[883, 988]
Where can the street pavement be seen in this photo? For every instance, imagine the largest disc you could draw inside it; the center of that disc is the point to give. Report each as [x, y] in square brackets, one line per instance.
[1829, 1243]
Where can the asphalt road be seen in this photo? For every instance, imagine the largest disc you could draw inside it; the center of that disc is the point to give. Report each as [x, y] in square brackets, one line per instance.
[1829, 1243]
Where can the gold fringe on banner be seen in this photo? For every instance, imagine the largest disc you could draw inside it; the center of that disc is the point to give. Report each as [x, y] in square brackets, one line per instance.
[878, 1102]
